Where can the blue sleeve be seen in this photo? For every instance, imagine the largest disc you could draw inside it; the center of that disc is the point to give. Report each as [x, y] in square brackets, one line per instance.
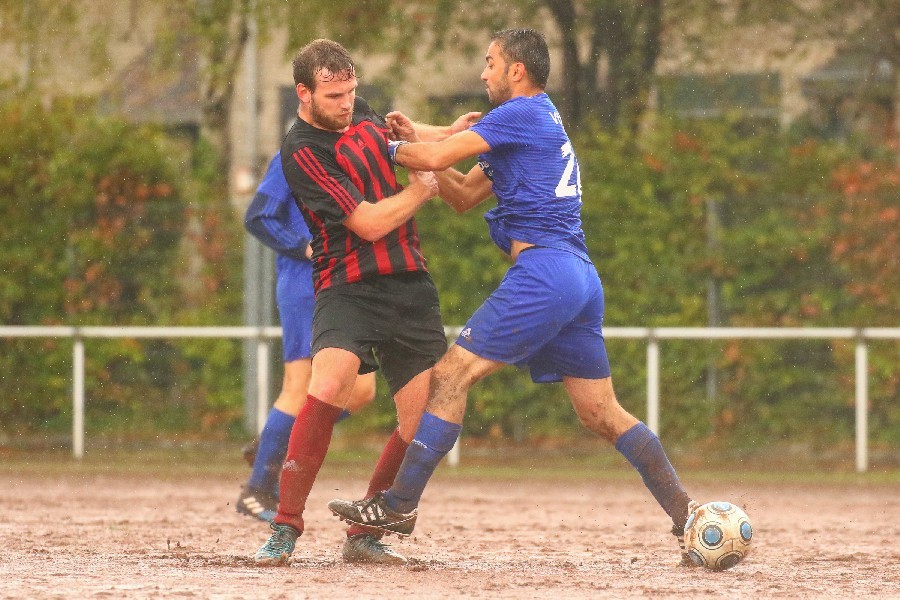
[273, 217]
[507, 125]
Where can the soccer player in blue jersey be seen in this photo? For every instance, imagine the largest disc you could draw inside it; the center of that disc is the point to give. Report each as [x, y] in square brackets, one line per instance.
[547, 312]
[274, 219]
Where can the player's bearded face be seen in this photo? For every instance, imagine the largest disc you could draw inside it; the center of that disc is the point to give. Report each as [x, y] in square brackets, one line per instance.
[499, 91]
[495, 77]
[331, 104]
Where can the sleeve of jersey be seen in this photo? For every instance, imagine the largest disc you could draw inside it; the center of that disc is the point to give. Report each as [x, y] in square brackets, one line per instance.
[269, 217]
[506, 125]
[315, 177]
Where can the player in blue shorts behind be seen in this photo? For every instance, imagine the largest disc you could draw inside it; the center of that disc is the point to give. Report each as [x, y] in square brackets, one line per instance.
[274, 219]
[547, 313]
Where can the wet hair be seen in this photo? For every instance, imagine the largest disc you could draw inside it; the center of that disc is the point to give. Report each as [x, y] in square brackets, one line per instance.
[528, 47]
[322, 55]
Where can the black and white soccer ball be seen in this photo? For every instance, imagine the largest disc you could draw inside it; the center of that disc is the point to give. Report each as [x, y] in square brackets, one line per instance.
[717, 535]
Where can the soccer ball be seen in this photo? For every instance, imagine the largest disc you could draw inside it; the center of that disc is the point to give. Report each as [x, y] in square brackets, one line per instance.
[717, 535]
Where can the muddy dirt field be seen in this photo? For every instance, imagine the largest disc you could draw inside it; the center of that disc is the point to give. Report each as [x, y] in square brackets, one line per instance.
[109, 535]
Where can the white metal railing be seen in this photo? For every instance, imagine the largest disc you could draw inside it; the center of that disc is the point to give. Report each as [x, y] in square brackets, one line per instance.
[265, 336]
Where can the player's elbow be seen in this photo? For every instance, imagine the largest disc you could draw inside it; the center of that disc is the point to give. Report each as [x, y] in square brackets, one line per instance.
[371, 236]
[254, 215]
[461, 203]
[253, 224]
[435, 163]
[369, 232]
[436, 160]
[369, 222]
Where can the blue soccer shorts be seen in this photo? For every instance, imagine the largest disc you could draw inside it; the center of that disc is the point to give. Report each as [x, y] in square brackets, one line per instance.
[547, 314]
[296, 302]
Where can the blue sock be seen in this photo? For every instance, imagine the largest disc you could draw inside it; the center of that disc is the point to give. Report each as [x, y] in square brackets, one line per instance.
[273, 443]
[433, 440]
[644, 451]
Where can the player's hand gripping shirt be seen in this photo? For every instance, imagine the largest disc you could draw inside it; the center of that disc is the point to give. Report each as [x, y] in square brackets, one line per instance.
[329, 174]
[535, 176]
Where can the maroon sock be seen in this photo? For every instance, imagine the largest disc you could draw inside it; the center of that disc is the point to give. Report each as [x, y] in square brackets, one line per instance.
[388, 464]
[307, 447]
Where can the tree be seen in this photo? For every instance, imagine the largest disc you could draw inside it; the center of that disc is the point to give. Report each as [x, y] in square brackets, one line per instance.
[206, 37]
[214, 33]
[30, 29]
[864, 33]
[623, 43]
[609, 47]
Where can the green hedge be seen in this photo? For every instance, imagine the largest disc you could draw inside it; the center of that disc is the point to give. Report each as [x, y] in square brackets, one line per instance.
[805, 238]
[106, 223]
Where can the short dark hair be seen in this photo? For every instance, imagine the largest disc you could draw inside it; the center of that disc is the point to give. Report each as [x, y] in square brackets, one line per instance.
[528, 47]
[319, 55]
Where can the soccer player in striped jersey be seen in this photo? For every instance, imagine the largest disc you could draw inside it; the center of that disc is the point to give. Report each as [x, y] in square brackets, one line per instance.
[274, 219]
[375, 304]
[547, 313]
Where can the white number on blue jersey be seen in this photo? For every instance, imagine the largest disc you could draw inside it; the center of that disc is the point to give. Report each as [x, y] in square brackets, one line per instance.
[564, 189]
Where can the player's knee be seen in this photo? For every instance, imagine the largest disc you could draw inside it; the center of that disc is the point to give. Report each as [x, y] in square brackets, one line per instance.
[587, 419]
[456, 369]
[600, 427]
[331, 391]
[599, 417]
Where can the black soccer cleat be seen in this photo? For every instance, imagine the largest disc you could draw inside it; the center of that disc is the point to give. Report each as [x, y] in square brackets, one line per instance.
[257, 504]
[374, 513]
[678, 532]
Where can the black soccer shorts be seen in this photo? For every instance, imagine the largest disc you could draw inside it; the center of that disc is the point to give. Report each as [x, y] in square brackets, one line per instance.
[393, 321]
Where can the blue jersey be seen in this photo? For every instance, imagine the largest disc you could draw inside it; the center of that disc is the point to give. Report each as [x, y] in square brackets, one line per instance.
[275, 220]
[535, 176]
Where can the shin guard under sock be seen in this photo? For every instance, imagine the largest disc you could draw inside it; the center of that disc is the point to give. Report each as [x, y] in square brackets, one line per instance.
[645, 452]
[273, 443]
[433, 440]
[307, 448]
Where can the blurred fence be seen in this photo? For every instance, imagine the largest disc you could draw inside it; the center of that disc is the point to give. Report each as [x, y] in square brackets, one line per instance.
[265, 336]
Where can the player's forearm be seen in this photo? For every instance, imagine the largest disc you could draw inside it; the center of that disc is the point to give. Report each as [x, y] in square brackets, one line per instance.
[437, 156]
[431, 133]
[374, 221]
[424, 156]
[454, 193]
[403, 128]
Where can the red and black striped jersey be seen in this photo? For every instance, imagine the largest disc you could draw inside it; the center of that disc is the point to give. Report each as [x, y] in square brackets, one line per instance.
[329, 174]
